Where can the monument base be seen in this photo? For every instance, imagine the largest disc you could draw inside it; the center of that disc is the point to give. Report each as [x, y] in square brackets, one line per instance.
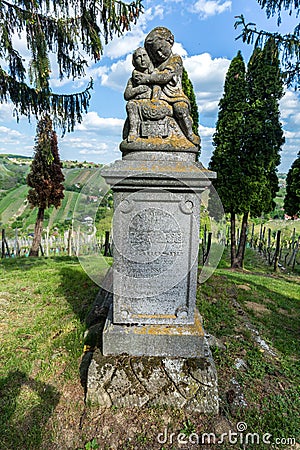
[183, 341]
[126, 381]
[189, 383]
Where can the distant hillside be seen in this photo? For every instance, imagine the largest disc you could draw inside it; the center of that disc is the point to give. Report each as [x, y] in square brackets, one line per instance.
[15, 212]
[13, 171]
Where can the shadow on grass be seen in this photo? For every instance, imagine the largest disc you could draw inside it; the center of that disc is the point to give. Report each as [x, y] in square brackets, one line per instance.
[22, 263]
[25, 407]
[91, 304]
[78, 289]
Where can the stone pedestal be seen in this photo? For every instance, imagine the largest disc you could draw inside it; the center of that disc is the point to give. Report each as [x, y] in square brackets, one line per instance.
[183, 341]
[155, 249]
[153, 346]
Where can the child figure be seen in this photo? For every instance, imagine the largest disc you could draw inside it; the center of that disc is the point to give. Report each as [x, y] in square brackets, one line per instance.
[135, 92]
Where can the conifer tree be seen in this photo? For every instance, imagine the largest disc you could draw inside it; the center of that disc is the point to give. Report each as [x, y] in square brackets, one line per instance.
[292, 197]
[248, 140]
[70, 31]
[188, 89]
[228, 142]
[287, 44]
[263, 136]
[45, 177]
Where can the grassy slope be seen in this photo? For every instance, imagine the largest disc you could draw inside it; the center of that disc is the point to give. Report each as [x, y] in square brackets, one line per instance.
[270, 303]
[11, 203]
[42, 306]
[43, 303]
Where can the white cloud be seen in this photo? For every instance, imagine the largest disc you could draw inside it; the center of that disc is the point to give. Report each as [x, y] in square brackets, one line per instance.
[206, 132]
[92, 152]
[208, 8]
[92, 71]
[133, 38]
[289, 103]
[86, 141]
[179, 50]
[127, 44]
[208, 109]
[292, 134]
[203, 69]
[92, 122]
[208, 76]
[96, 143]
[96, 137]
[8, 132]
[6, 111]
[116, 78]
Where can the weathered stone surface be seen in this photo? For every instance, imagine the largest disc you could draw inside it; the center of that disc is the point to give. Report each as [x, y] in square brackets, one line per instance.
[124, 388]
[136, 381]
[98, 376]
[156, 238]
[150, 375]
[157, 155]
[158, 111]
[155, 340]
[170, 173]
[179, 374]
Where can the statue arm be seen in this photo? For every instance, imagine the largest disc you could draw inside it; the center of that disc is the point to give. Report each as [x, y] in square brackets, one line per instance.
[164, 74]
[132, 91]
[162, 77]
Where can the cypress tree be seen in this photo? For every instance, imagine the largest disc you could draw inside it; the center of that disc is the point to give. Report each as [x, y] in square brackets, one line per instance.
[45, 177]
[263, 136]
[188, 89]
[228, 142]
[71, 31]
[292, 197]
[248, 140]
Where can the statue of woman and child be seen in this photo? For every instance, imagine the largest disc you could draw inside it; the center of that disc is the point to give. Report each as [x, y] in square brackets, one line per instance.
[154, 91]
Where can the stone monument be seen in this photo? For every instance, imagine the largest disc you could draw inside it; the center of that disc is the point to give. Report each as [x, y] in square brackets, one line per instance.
[153, 343]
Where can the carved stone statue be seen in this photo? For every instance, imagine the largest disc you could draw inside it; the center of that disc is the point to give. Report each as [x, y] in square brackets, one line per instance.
[157, 108]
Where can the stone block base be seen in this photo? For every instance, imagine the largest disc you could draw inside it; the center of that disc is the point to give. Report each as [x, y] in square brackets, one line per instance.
[129, 381]
[183, 341]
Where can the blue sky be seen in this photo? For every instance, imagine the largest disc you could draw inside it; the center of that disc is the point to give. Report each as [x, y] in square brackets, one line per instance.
[205, 38]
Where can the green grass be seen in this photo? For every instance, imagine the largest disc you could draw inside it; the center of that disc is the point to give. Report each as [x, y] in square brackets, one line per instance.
[12, 202]
[4, 171]
[65, 211]
[78, 175]
[271, 303]
[43, 303]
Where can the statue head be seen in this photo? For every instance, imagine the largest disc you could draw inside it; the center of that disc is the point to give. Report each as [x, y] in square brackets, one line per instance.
[141, 60]
[159, 44]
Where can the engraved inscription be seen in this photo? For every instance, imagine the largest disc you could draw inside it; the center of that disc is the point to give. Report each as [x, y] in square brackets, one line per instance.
[154, 231]
[157, 129]
[155, 241]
